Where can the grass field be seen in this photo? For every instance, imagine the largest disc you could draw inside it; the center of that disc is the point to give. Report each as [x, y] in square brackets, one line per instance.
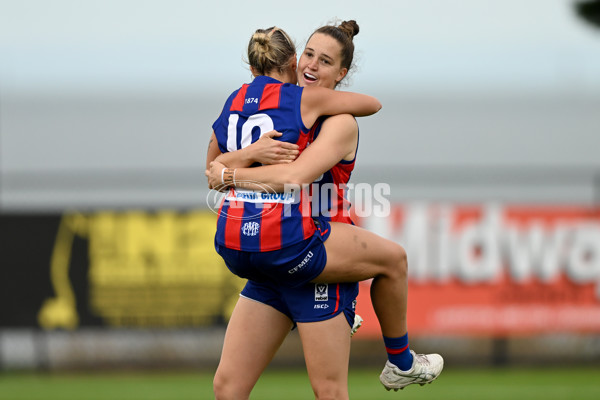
[512, 384]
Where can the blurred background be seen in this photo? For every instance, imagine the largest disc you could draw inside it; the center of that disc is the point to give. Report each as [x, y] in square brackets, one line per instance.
[488, 139]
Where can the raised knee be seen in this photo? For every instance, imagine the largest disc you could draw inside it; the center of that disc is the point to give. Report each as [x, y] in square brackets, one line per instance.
[400, 253]
[398, 259]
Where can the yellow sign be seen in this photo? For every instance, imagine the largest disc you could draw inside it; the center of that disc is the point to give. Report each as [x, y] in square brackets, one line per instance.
[145, 269]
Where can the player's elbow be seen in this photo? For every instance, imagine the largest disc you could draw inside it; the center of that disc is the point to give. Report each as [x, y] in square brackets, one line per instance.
[372, 107]
[376, 105]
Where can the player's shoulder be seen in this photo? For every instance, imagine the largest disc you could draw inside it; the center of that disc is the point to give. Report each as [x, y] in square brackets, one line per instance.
[291, 89]
[342, 120]
[341, 126]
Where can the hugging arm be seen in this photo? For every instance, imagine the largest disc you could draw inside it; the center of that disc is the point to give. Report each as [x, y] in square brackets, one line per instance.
[335, 141]
[266, 150]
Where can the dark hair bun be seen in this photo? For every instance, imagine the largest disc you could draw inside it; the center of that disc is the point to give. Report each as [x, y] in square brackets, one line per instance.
[350, 28]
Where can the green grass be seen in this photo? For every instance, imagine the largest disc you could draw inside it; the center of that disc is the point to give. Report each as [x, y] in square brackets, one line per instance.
[511, 384]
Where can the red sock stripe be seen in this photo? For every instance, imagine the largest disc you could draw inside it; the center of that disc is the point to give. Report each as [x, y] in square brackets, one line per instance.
[396, 351]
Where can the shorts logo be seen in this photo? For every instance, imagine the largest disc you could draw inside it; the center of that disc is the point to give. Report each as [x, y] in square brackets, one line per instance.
[302, 264]
[321, 292]
[250, 228]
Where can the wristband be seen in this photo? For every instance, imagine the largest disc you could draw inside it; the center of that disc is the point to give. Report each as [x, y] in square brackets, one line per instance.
[228, 176]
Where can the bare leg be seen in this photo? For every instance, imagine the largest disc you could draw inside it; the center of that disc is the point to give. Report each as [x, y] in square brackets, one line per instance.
[355, 254]
[254, 333]
[326, 347]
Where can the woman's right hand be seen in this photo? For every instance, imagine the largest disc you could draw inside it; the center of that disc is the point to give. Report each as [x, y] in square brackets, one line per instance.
[267, 150]
[214, 175]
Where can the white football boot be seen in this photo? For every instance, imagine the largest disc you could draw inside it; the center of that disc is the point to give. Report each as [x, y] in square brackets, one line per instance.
[425, 369]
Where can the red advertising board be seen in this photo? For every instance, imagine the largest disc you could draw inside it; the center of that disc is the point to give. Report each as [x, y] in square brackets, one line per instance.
[491, 269]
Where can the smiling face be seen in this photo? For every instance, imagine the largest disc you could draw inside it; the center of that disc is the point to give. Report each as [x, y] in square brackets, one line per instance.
[320, 63]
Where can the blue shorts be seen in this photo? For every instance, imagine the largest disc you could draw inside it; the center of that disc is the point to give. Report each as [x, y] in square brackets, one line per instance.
[292, 266]
[310, 302]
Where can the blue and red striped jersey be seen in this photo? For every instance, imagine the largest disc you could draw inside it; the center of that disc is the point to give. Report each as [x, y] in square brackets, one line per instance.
[329, 195]
[254, 221]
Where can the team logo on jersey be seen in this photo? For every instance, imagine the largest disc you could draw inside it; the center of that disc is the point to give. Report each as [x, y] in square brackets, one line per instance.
[250, 228]
[321, 292]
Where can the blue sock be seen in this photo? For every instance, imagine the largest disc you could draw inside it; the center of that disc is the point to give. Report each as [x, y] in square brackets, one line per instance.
[399, 352]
